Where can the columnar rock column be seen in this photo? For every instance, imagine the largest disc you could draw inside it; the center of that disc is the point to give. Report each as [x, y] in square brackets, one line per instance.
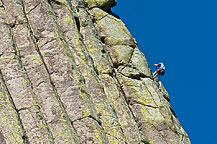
[70, 72]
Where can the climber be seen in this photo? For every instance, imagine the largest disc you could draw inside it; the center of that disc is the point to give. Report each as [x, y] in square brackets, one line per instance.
[160, 70]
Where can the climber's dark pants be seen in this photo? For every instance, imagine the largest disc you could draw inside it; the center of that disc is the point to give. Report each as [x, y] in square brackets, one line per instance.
[158, 72]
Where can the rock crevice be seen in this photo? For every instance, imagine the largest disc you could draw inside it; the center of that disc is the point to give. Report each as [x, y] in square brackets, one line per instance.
[74, 74]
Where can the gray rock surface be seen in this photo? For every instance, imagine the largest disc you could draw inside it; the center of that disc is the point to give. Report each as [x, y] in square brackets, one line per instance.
[70, 72]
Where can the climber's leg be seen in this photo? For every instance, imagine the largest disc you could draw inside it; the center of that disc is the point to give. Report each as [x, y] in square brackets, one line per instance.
[157, 74]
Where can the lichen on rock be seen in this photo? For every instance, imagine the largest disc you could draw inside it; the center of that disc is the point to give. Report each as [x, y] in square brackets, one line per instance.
[103, 4]
[71, 72]
[120, 54]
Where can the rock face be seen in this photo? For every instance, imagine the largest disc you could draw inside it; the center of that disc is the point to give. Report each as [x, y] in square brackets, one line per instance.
[70, 72]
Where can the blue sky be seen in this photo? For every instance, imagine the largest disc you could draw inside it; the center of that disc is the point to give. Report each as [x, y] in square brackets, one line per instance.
[182, 34]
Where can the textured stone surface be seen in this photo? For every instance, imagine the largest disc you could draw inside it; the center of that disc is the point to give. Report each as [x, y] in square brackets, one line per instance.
[70, 72]
[103, 4]
[2, 141]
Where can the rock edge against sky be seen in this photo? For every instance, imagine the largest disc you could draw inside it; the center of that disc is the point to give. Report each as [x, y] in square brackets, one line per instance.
[70, 72]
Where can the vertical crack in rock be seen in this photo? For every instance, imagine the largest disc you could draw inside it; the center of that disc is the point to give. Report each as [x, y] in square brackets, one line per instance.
[127, 109]
[11, 118]
[23, 69]
[71, 54]
[65, 115]
[71, 72]
[90, 64]
[131, 66]
[89, 23]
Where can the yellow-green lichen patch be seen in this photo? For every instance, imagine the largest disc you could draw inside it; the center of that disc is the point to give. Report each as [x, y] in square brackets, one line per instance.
[89, 130]
[148, 117]
[9, 120]
[36, 59]
[109, 120]
[97, 14]
[158, 98]
[103, 108]
[114, 32]
[17, 78]
[120, 54]
[96, 51]
[34, 124]
[68, 131]
[129, 71]
[83, 17]
[153, 117]
[103, 4]
[117, 100]
[139, 62]
[2, 11]
[51, 95]
[136, 91]
[172, 137]
[111, 90]
[83, 59]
